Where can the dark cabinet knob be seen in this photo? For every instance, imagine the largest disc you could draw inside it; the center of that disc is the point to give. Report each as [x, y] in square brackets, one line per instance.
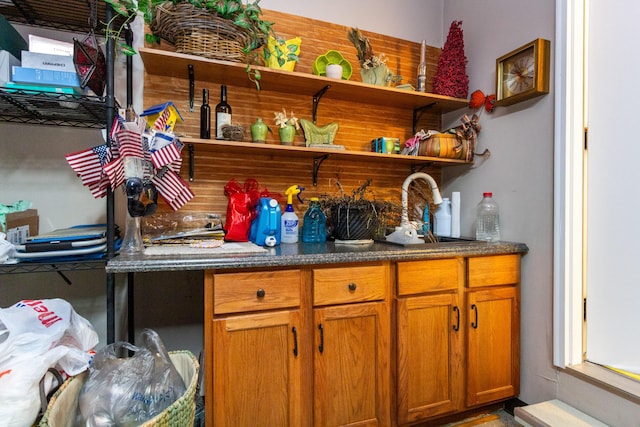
[352, 286]
[261, 293]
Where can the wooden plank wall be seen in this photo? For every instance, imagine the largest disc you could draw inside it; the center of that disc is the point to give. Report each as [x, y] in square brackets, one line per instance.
[359, 122]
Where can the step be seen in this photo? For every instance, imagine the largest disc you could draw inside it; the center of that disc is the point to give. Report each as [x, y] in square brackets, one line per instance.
[554, 413]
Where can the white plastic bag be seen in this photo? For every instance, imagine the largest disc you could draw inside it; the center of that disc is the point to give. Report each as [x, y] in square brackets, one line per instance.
[36, 335]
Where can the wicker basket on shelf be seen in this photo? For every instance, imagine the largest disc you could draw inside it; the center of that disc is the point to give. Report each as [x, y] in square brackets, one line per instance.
[200, 32]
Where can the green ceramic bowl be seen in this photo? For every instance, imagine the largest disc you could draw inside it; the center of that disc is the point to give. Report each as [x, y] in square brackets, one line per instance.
[319, 66]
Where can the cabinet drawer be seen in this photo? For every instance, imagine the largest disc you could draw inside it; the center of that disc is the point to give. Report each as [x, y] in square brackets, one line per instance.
[346, 285]
[427, 276]
[494, 270]
[242, 292]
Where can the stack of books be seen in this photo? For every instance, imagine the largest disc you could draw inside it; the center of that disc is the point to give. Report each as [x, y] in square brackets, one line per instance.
[46, 67]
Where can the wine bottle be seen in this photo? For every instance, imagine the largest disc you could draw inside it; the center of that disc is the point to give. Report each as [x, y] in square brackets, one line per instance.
[422, 69]
[205, 116]
[223, 112]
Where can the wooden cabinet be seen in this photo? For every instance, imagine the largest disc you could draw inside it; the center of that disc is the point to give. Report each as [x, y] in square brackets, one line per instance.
[312, 346]
[352, 348]
[298, 347]
[493, 329]
[429, 339]
[253, 333]
[457, 334]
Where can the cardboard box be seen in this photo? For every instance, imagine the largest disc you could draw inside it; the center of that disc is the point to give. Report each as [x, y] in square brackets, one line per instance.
[45, 61]
[21, 225]
[50, 46]
[7, 61]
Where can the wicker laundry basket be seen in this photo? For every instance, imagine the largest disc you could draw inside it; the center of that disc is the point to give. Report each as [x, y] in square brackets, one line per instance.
[62, 407]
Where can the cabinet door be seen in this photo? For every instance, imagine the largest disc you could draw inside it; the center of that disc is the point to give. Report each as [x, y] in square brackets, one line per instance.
[493, 345]
[351, 365]
[257, 370]
[429, 356]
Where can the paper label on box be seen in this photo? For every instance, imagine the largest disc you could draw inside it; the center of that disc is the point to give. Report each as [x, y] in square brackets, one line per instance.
[18, 235]
[50, 46]
[46, 61]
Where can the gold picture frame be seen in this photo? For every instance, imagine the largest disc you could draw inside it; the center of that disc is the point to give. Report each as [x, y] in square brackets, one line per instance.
[523, 73]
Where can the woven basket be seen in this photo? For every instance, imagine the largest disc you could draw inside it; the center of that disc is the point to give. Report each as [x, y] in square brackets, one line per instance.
[447, 146]
[200, 32]
[61, 411]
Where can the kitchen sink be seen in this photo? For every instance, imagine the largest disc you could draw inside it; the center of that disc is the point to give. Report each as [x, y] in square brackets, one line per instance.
[441, 241]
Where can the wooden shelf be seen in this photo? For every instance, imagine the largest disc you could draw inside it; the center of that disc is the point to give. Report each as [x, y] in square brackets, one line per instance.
[314, 152]
[171, 64]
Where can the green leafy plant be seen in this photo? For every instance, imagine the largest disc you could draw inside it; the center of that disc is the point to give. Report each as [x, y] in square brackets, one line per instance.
[247, 16]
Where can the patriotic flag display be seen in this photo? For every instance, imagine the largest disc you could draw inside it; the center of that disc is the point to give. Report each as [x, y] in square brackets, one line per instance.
[151, 140]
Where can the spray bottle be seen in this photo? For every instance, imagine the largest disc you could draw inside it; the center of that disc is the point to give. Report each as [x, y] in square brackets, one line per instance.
[289, 218]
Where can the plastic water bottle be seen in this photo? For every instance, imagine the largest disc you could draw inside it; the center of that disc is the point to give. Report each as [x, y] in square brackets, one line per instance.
[488, 219]
[442, 219]
[315, 222]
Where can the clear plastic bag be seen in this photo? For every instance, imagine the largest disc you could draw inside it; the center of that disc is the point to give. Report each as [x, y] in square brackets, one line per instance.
[126, 391]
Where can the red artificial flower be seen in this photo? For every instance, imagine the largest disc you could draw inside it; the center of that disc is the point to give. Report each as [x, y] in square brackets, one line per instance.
[477, 99]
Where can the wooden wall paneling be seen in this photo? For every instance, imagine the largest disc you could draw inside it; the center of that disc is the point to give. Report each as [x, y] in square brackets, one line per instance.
[359, 123]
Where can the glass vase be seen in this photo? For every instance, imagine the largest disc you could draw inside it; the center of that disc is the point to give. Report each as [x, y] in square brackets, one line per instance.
[132, 241]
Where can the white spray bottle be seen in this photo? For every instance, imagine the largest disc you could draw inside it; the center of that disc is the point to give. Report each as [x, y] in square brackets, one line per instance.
[289, 218]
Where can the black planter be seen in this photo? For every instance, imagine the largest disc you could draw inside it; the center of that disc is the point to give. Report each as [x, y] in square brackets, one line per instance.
[353, 223]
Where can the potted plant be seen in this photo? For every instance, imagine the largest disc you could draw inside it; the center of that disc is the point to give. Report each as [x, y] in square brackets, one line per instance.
[374, 68]
[287, 126]
[235, 25]
[359, 216]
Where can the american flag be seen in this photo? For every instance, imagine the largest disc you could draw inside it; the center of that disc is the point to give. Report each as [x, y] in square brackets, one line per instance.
[172, 188]
[88, 163]
[165, 155]
[130, 143]
[99, 188]
[161, 122]
[115, 172]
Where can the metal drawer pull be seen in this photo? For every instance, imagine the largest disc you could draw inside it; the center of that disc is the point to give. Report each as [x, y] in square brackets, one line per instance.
[474, 324]
[261, 293]
[456, 327]
[295, 341]
[352, 286]
[321, 346]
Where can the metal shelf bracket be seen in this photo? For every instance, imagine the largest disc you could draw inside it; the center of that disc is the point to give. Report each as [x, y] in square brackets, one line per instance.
[191, 163]
[316, 101]
[418, 112]
[317, 161]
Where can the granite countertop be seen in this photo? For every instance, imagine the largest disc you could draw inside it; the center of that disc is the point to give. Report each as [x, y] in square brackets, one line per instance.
[308, 254]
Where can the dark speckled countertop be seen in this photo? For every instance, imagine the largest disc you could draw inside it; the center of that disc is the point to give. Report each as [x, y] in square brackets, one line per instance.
[310, 254]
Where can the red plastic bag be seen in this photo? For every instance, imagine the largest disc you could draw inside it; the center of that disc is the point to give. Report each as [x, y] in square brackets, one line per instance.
[241, 208]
